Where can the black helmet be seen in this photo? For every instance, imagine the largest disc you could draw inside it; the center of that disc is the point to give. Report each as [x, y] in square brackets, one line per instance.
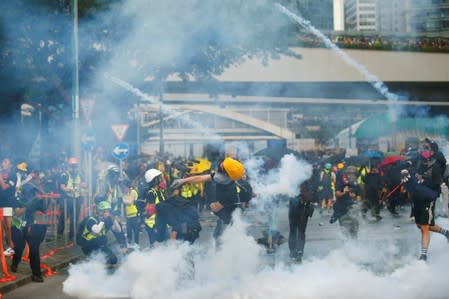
[113, 171]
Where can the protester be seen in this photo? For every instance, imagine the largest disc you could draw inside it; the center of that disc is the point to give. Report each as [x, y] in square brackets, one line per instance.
[229, 170]
[7, 202]
[424, 188]
[92, 233]
[300, 209]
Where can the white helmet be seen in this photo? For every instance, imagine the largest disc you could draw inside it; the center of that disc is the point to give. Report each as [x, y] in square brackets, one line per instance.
[151, 174]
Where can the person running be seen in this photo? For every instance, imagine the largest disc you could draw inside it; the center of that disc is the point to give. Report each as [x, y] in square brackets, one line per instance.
[326, 187]
[300, 209]
[228, 172]
[424, 189]
[344, 211]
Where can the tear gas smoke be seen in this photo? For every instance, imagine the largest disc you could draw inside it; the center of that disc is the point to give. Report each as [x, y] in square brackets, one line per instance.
[165, 108]
[394, 109]
[282, 181]
[238, 270]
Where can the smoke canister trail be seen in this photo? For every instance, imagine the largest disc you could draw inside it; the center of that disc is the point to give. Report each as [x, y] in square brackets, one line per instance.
[375, 82]
[165, 108]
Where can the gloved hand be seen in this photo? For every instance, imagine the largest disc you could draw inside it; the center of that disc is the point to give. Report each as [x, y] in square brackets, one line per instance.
[405, 176]
[320, 188]
[96, 228]
[177, 183]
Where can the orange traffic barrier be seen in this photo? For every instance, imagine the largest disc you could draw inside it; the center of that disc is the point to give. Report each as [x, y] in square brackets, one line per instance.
[6, 276]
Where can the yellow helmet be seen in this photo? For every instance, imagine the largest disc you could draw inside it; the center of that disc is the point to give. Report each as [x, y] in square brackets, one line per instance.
[340, 165]
[22, 167]
[233, 168]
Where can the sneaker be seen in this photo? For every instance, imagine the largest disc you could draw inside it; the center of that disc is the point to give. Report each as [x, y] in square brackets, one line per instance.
[9, 251]
[423, 257]
[37, 278]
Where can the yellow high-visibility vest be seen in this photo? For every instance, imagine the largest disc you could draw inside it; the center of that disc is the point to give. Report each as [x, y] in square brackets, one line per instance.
[88, 235]
[130, 210]
[151, 221]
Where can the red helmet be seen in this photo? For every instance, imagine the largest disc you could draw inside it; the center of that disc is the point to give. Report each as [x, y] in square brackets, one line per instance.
[72, 161]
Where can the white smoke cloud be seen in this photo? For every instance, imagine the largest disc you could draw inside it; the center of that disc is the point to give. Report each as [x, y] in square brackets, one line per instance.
[238, 270]
[284, 180]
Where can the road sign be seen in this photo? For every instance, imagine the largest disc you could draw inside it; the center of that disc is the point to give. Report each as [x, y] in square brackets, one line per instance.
[120, 131]
[120, 151]
[88, 139]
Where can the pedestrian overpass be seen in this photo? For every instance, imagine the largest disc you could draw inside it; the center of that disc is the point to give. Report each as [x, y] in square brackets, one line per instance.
[256, 101]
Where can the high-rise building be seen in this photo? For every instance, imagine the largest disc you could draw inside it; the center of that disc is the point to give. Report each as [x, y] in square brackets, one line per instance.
[392, 16]
[318, 12]
[430, 16]
[339, 15]
[360, 15]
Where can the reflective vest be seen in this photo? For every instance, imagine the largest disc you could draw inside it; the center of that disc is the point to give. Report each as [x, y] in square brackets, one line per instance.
[186, 191]
[41, 218]
[17, 222]
[131, 210]
[112, 197]
[75, 185]
[88, 235]
[159, 196]
[196, 189]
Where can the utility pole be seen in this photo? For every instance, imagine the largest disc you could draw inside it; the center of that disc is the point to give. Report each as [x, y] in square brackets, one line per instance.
[76, 147]
[76, 138]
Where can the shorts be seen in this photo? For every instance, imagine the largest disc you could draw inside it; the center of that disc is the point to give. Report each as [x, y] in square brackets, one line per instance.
[424, 213]
[7, 212]
[327, 194]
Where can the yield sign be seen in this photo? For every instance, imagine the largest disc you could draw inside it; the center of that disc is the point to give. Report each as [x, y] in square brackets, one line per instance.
[120, 131]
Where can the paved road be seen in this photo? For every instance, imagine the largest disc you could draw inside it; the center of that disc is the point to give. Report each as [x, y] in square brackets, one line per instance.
[322, 237]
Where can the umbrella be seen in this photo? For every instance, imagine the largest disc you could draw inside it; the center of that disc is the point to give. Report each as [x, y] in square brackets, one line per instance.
[373, 154]
[391, 160]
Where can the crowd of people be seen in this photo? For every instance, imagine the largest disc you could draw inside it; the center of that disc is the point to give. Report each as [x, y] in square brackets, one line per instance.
[378, 42]
[160, 197]
[164, 198]
[416, 179]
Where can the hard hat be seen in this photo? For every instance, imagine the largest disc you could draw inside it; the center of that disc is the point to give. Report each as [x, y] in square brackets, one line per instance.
[103, 205]
[340, 165]
[72, 161]
[151, 174]
[233, 168]
[22, 166]
[328, 166]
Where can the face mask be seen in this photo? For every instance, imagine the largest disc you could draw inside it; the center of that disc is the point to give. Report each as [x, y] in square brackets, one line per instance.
[162, 185]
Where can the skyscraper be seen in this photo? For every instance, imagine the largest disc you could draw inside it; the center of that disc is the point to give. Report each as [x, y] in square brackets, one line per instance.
[360, 15]
[392, 16]
[339, 15]
[318, 12]
[430, 16]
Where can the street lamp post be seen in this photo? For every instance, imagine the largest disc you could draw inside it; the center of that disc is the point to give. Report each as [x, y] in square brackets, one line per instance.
[76, 142]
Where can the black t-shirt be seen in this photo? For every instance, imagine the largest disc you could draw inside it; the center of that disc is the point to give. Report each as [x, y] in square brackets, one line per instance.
[226, 192]
[7, 196]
